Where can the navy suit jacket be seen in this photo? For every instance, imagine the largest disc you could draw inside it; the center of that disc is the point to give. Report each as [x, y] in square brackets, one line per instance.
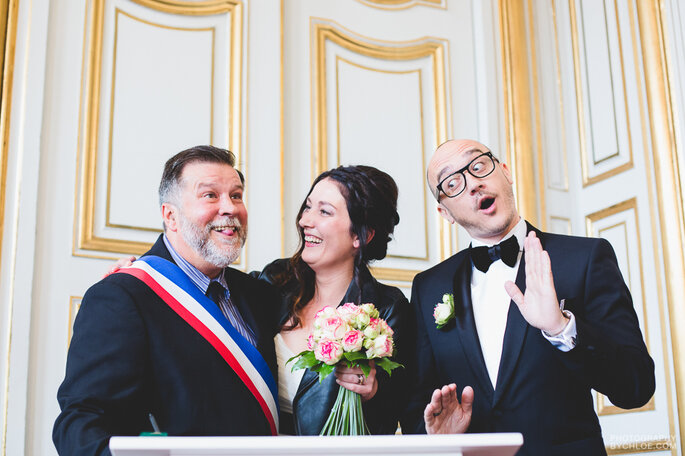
[541, 391]
[131, 355]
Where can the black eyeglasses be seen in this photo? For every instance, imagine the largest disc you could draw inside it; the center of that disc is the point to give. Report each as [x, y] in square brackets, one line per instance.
[454, 184]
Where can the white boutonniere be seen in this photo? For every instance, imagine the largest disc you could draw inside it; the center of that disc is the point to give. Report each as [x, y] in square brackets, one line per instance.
[444, 311]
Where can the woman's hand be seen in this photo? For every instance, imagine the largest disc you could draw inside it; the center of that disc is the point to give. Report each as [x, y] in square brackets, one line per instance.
[120, 263]
[354, 380]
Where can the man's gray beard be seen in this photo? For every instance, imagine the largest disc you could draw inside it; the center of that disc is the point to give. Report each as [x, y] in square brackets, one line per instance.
[200, 241]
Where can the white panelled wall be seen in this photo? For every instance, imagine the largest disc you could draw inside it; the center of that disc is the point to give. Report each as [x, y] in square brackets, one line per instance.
[104, 91]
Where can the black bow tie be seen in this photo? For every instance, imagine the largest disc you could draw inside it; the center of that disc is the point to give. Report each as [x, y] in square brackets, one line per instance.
[507, 251]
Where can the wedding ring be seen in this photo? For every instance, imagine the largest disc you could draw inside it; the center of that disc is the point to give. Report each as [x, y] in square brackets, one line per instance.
[360, 379]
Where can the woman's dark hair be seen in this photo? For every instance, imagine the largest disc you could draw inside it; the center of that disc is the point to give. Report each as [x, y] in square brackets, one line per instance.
[371, 198]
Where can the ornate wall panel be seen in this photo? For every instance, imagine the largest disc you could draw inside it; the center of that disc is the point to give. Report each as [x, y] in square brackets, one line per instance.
[666, 153]
[560, 225]
[160, 76]
[375, 100]
[8, 32]
[619, 225]
[552, 122]
[595, 106]
[403, 4]
[603, 87]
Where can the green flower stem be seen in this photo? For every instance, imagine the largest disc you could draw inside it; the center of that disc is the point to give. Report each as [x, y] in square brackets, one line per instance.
[347, 415]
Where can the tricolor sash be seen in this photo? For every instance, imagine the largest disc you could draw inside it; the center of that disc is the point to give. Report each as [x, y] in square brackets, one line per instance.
[176, 289]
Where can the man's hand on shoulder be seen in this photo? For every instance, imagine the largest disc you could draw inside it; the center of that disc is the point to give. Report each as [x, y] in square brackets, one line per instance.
[539, 305]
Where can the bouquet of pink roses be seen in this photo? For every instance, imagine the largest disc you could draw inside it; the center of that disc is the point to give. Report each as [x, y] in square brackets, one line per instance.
[354, 335]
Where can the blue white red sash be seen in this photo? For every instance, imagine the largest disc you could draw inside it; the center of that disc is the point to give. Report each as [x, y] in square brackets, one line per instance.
[175, 288]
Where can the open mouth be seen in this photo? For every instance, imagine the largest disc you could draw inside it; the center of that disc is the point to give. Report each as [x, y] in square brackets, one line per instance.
[486, 202]
[226, 229]
[309, 239]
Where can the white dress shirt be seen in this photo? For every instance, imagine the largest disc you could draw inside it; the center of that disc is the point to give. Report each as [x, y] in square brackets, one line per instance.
[491, 302]
[491, 306]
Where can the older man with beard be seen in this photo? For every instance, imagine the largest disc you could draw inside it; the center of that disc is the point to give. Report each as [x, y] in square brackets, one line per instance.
[178, 336]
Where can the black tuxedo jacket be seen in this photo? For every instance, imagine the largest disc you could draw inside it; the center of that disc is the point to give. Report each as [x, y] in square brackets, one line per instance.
[131, 355]
[541, 391]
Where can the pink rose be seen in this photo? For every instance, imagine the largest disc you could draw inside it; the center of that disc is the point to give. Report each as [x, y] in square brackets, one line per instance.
[333, 328]
[311, 342]
[386, 329]
[349, 311]
[370, 310]
[328, 351]
[373, 329]
[322, 314]
[382, 347]
[352, 341]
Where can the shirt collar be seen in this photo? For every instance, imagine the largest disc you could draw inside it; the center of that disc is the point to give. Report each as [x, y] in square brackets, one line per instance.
[200, 280]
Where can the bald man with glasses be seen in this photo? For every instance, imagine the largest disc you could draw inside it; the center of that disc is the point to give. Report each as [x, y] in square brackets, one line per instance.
[528, 323]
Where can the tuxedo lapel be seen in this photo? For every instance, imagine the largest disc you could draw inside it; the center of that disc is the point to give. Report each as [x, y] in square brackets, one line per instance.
[466, 327]
[514, 334]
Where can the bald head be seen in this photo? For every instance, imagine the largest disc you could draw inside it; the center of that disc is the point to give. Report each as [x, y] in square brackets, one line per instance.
[442, 162]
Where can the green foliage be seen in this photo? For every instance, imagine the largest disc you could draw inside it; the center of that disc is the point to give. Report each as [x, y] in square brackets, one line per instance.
[387, 365]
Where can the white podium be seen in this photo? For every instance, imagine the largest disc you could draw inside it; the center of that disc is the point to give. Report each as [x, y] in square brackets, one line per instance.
[504, 444]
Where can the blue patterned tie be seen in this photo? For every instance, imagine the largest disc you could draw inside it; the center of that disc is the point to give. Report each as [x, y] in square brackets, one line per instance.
[217, 293]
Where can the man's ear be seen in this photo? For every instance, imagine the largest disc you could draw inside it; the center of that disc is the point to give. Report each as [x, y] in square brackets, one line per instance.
[507, 173]
[444, 213]
[169, 216]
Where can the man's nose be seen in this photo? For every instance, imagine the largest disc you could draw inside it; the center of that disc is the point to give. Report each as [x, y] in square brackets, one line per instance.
[227, 206]
[473, 184]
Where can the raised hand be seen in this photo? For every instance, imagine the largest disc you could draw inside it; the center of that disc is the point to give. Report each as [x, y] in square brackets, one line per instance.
[445, 415]
[354, 380]
[539, 305]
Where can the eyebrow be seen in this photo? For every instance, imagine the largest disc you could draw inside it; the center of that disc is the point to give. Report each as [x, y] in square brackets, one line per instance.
[443, 171]
[448, 168]
[202, 185]
[321, 203]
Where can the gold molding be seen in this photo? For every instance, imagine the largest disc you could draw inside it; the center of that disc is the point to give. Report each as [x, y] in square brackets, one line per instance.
[629, 205]
[434, 48]
[186, 8]
[580, 106]
[517, 106]
[338, 59]
[541, 200]
[401, 275]
[569, 229]
[73, 310]
[665, 149]
[9, 10]
[118, 11]
[653, 220]
[403, 4]
[86, 237]
[8, 38]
